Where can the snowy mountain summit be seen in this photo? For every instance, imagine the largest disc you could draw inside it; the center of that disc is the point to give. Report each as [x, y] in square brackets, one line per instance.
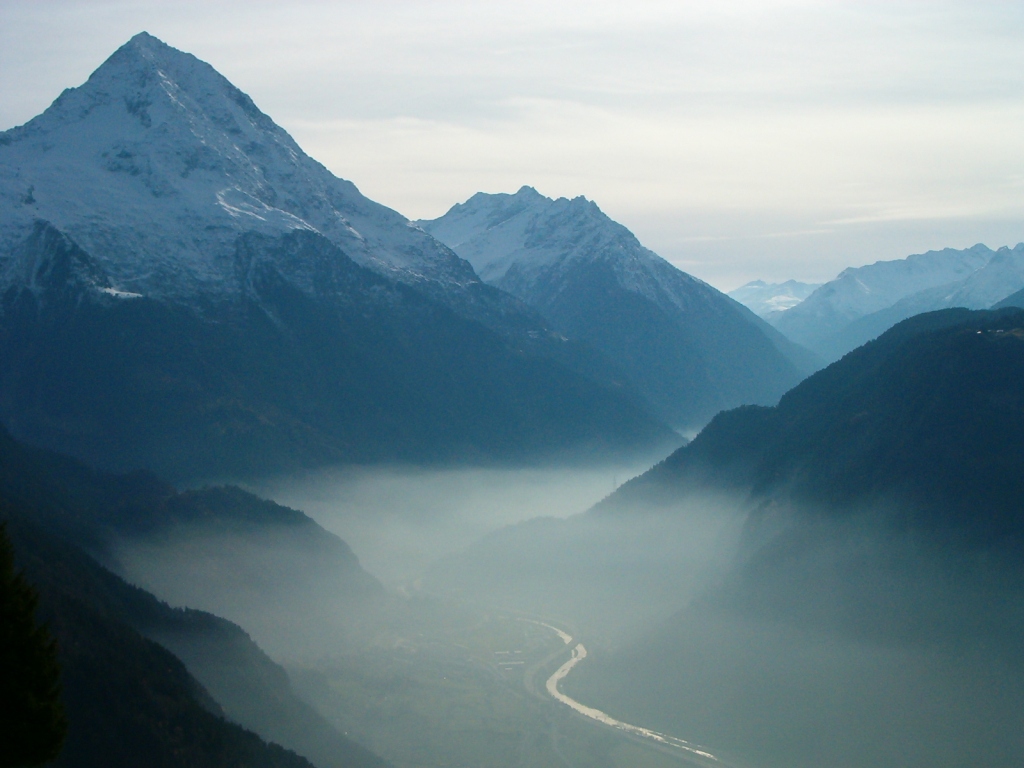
[157, 163]
[518, 241]
[688, 348]
[183, 289]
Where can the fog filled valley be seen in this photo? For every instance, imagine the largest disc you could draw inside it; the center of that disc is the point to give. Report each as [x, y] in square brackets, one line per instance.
[288, 479]
[401, 519]
[762, 634]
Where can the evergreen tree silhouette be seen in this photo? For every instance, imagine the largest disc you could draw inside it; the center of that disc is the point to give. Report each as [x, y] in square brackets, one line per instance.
[32, 721]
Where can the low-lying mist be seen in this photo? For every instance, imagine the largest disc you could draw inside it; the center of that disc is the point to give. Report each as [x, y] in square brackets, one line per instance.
[773, 633]
[400, 519]
[297, 591]
[610, 576]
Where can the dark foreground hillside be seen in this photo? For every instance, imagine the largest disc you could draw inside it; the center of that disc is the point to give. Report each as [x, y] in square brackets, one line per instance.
[266, 567]
[146, 684]
[129, 701]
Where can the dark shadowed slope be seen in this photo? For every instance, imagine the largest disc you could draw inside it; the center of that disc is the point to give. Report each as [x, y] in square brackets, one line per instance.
[267, 567]
[129, 701]
[929, 417]
[53, 502]
[281, 378]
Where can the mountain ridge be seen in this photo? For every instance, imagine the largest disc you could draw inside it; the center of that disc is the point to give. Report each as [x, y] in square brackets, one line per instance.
[921, 422]
[182, 289]
[863, 302]
[688, 348]
[153, 123]
[75, 528]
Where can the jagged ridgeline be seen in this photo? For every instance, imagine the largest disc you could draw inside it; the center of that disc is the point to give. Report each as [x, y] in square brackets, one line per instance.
[688, 348]
[182, 288]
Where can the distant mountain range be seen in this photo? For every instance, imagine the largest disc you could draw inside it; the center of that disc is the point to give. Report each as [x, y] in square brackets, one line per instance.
[768, 299]
[689, 349]
[863, 302]
[182, 288]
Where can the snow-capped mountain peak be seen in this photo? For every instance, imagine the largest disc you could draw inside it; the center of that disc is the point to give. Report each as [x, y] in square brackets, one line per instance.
[158, 163]
[686, 347]
[513, 239]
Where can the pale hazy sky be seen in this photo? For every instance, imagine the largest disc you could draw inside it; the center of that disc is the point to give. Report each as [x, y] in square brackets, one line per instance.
[737, 139]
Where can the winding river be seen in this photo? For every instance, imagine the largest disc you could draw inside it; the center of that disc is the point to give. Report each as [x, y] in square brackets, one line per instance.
[579, 653]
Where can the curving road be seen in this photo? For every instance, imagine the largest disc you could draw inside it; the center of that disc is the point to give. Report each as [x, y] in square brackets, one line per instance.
[579, 653]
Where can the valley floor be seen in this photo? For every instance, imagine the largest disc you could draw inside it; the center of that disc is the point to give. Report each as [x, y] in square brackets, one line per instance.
[470, 693]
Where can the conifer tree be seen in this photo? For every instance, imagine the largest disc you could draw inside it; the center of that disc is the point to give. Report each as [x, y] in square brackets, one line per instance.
[32, 721]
